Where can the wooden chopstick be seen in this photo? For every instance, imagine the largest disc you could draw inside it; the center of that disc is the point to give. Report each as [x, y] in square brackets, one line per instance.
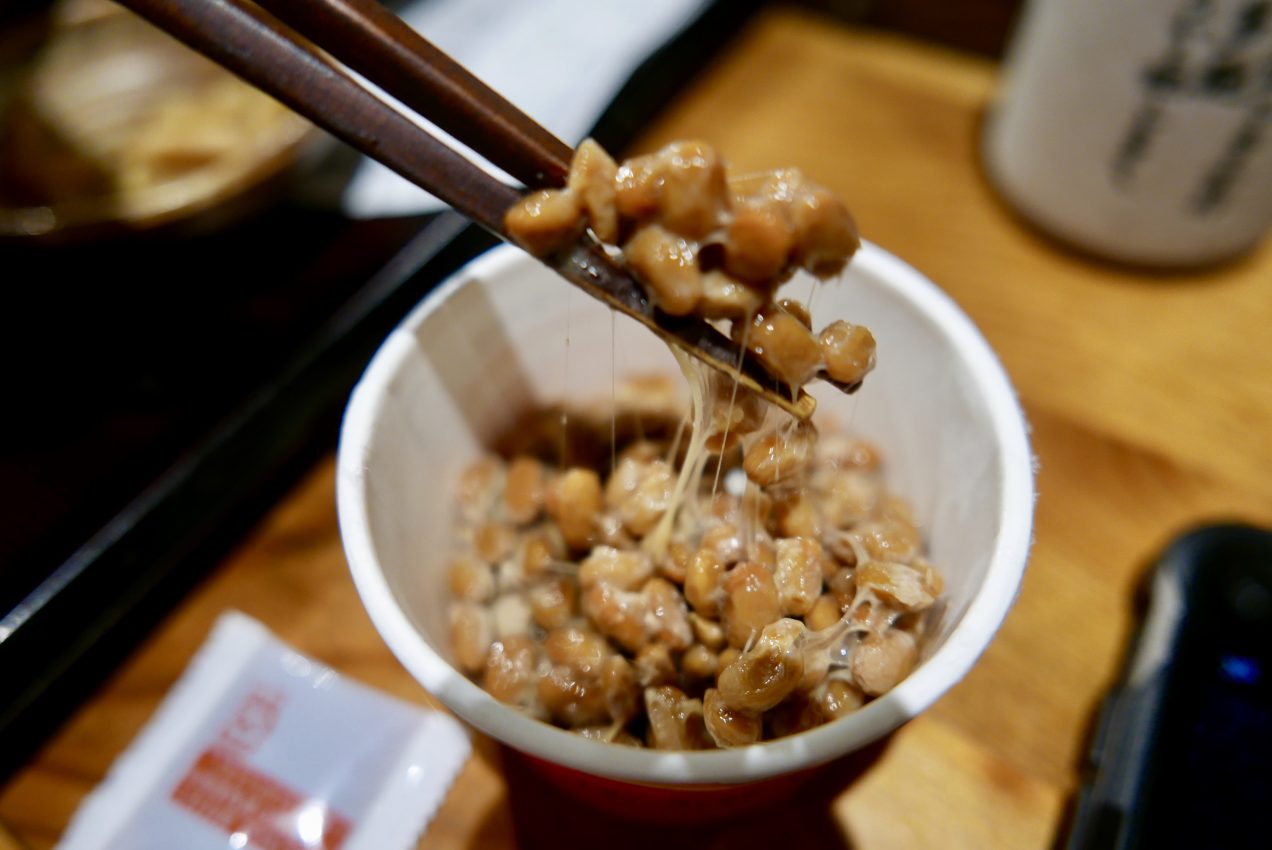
[589, 268]
[379, 45]
[276, 58]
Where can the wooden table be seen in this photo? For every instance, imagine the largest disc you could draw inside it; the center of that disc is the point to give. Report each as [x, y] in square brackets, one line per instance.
[1150, 403]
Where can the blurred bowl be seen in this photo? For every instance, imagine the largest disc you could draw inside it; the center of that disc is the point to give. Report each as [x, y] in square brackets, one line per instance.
[111, 126]
[491, 343]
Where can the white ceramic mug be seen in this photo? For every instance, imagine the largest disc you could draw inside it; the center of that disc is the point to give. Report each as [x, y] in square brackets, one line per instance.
[1139, 129]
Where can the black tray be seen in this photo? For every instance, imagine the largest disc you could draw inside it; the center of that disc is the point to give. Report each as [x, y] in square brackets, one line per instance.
[165, 390]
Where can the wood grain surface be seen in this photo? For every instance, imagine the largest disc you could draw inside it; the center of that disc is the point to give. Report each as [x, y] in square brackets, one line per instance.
[1149, 400]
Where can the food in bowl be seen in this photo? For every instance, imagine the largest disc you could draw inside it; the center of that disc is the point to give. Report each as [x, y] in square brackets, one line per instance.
[707, 244]
[939, 407]
[656, 598]
[700, 586]
[113, 126]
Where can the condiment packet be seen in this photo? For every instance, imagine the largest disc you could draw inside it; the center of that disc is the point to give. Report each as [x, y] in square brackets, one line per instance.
[257, 746]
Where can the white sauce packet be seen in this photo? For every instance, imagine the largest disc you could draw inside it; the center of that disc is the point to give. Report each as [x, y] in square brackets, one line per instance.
[257, 746]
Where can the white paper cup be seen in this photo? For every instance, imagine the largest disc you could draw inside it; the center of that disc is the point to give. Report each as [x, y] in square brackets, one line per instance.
[492, 341]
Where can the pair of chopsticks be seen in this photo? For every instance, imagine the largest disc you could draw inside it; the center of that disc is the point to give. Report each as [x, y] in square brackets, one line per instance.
[293, 50]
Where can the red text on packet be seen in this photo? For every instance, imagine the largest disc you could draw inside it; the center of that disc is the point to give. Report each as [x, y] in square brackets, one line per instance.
[252, 724]
[233, 796]
[224, 790]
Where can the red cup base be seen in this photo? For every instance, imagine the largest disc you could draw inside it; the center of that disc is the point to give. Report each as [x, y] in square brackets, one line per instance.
[669, 804]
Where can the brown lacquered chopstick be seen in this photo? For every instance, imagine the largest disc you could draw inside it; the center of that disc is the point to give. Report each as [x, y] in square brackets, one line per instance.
[383, 48]
[274, 57]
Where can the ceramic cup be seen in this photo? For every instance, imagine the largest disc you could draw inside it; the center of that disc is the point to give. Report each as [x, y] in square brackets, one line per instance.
[1140, 130]
[505, 333]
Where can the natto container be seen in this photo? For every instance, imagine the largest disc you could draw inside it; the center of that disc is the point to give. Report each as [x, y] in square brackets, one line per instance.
[505, 334]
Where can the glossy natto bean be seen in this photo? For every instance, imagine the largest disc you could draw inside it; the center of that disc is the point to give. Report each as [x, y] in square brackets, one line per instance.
[591, 178]
[782, 458]
[667, 264]
[675, 720]
[575, 500]
[545, 221]
[768, 672]
[729, 727]
[625, 569]
[524, 490]
[798, 575]
[751, 602]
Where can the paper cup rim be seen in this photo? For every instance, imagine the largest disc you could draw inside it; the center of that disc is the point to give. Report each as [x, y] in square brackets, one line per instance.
[947, 665]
